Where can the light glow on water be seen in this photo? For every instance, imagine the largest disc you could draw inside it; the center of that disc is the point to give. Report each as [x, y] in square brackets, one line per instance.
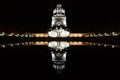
[59, 44]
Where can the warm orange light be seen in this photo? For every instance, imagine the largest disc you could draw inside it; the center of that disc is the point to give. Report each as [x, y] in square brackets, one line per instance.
[41, 35]
[79, 43]
[40, 43]
[76, 35]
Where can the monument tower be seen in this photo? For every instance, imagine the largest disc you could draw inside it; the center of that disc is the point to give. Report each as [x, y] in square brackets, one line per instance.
[58, 24]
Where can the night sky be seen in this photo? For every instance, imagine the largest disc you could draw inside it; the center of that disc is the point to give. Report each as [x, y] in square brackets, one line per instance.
[82, 16]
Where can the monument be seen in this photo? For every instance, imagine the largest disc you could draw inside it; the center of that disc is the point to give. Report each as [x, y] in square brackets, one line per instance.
[58, 24]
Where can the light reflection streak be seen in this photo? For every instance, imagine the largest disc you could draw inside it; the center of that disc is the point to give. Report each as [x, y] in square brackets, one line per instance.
[58, 45]
[70, 43]
[78, 43]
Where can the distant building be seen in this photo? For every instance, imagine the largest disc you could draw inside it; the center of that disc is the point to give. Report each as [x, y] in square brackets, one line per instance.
[58, 24]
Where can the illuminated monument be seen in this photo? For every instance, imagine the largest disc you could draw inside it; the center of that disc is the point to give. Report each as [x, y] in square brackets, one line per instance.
[59, 24]
[58, 30]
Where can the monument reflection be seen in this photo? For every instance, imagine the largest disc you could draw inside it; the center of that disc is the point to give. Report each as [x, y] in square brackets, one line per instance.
[58, 49]
[58, 54]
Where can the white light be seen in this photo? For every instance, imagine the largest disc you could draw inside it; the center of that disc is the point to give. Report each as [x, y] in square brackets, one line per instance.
[26, 35]
[17, 35]
[53, 56]
[26, 43]
[114, 34]
[90, 43]
[53, 21]
[64, 21]
[52, 34]
[95, 35]
[17, 44]
[64, 45]
[58, 45]
[58, 23]
[100, 34]
[63, 66]
[11, 34]
[52, 44]
[91, 35]
[58, 33]
[22, 35]
[113, 46]
[64, 56]
[22, 43]
[105, 33]
[3, 46]
[105, 45]
[64, 33]
[99, 44]
[94, 43]
[2, 34]
[11, 45]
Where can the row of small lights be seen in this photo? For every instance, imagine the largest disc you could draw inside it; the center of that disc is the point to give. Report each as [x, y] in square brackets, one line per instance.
[93, 34]
[79, 43]
[13, 34]
[104, 45]
[71, 34]
[104, 34]
[72, 43]
[25, 44]
[24, 35]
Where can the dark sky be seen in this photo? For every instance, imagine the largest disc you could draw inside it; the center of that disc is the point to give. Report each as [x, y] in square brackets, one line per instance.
[82, 16]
